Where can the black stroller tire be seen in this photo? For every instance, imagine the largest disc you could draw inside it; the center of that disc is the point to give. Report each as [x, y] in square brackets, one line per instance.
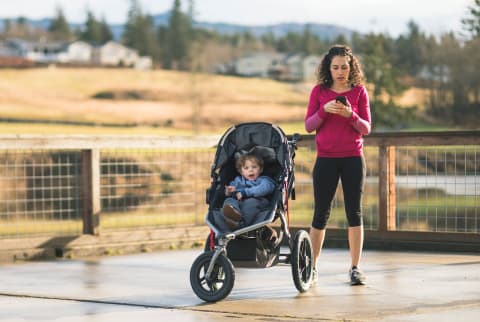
[302, 261]
[221, 280]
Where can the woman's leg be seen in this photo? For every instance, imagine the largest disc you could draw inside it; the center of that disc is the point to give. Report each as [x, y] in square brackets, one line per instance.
[325, 181]
[353, 176]
[355, 241]
[317, 236]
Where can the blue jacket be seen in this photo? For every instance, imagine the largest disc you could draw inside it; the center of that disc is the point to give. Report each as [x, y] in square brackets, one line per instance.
[260, 187]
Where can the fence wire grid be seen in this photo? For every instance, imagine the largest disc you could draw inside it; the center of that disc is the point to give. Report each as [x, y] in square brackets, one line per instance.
[437, 189]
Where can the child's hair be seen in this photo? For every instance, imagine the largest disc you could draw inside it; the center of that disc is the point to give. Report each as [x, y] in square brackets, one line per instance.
[243, 158]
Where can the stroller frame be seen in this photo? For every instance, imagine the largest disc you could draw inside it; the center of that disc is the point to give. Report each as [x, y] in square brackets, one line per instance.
[212, 274]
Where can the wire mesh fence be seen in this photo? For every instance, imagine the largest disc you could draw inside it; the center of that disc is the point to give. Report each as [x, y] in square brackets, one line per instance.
[437, 189]
[39, 193]
[153, 187]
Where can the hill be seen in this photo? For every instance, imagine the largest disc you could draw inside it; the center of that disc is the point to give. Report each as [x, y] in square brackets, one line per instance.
[126, 101]
[324, 31]
[125, 98]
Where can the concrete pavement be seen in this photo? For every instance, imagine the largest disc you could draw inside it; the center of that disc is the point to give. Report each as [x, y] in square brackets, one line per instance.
[401, 286]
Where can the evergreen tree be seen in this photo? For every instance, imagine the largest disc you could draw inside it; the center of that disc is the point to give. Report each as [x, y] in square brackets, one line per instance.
[131, 26]
[178, 38]
[139, 31]
[307, 41]
[92, 32]
[291, 42]
[410, 50]
[7, 25]
[472, 23]
[376, 58]
[268, 39]
[163, 53]
[59, 26]
[340, 39]
[105, 31]
[191, 20]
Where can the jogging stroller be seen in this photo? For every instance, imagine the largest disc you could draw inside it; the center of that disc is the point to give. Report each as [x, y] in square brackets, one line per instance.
[212, 273]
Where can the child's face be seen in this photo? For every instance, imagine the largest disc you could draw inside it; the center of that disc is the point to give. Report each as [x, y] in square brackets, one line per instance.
[250, 170]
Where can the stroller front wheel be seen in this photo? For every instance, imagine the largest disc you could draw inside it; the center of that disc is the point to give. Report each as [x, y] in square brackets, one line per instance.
[302, 261]
[219, 284]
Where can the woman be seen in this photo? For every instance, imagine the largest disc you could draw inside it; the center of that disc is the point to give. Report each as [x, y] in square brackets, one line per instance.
[339, 112]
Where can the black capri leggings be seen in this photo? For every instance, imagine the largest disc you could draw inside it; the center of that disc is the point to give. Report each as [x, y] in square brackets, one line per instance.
[326, 172]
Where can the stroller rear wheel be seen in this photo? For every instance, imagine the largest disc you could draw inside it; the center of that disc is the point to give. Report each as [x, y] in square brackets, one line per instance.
[220, 282]
[302, 265]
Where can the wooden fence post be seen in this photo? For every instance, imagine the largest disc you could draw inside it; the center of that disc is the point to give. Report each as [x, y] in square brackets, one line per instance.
[91, 191]
[386, 188]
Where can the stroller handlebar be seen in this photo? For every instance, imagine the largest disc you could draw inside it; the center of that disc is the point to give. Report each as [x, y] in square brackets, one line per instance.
[294, 139]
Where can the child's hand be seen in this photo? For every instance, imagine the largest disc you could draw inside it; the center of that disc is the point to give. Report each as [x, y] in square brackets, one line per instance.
[240, 194]
[229, 190]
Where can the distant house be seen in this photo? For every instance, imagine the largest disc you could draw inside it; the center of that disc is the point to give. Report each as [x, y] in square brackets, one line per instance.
[6, 50]
[37, 51]
[289, 67]
[441, 73]
[48, 52]
[10, 57]
[294, 67]
[144, 62]
[76, 52]
[310, 66]
[114, 54]
[255, 65]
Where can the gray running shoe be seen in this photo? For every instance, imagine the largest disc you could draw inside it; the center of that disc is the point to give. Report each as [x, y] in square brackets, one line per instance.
[356, 277]
[314, 276]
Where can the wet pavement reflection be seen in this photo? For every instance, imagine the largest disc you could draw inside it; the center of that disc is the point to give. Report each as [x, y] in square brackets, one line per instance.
[401, 286]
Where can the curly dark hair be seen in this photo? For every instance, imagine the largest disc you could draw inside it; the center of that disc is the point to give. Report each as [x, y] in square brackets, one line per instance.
[323, 71]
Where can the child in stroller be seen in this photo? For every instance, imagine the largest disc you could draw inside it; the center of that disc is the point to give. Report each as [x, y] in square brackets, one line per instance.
[246, 244]
[247, 195]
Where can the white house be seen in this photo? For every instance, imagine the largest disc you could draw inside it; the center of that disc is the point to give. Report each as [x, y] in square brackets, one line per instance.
[7, 50]
[294, 67]
[38, 51]
[76, 52]
[114, 54]
[144, 62]
[310, 66]
[255, 65]
[49, 52]
[290, 67]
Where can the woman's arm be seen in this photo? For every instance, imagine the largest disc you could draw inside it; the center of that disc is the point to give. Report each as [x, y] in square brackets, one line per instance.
[315, 113]
[362, 121]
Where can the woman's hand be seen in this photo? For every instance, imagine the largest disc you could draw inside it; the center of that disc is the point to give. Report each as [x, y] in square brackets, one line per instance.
[335, 107]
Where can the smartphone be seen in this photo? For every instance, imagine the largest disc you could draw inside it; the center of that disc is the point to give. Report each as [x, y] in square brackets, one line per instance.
[341, 99]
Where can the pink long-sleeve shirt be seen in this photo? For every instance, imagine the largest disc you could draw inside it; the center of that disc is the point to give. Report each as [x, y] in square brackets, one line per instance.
[337, 136]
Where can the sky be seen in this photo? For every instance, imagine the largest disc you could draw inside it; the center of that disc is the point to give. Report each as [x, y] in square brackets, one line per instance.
[381, 16]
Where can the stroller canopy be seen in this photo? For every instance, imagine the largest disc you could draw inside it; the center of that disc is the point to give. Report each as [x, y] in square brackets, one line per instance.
[263, 139]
